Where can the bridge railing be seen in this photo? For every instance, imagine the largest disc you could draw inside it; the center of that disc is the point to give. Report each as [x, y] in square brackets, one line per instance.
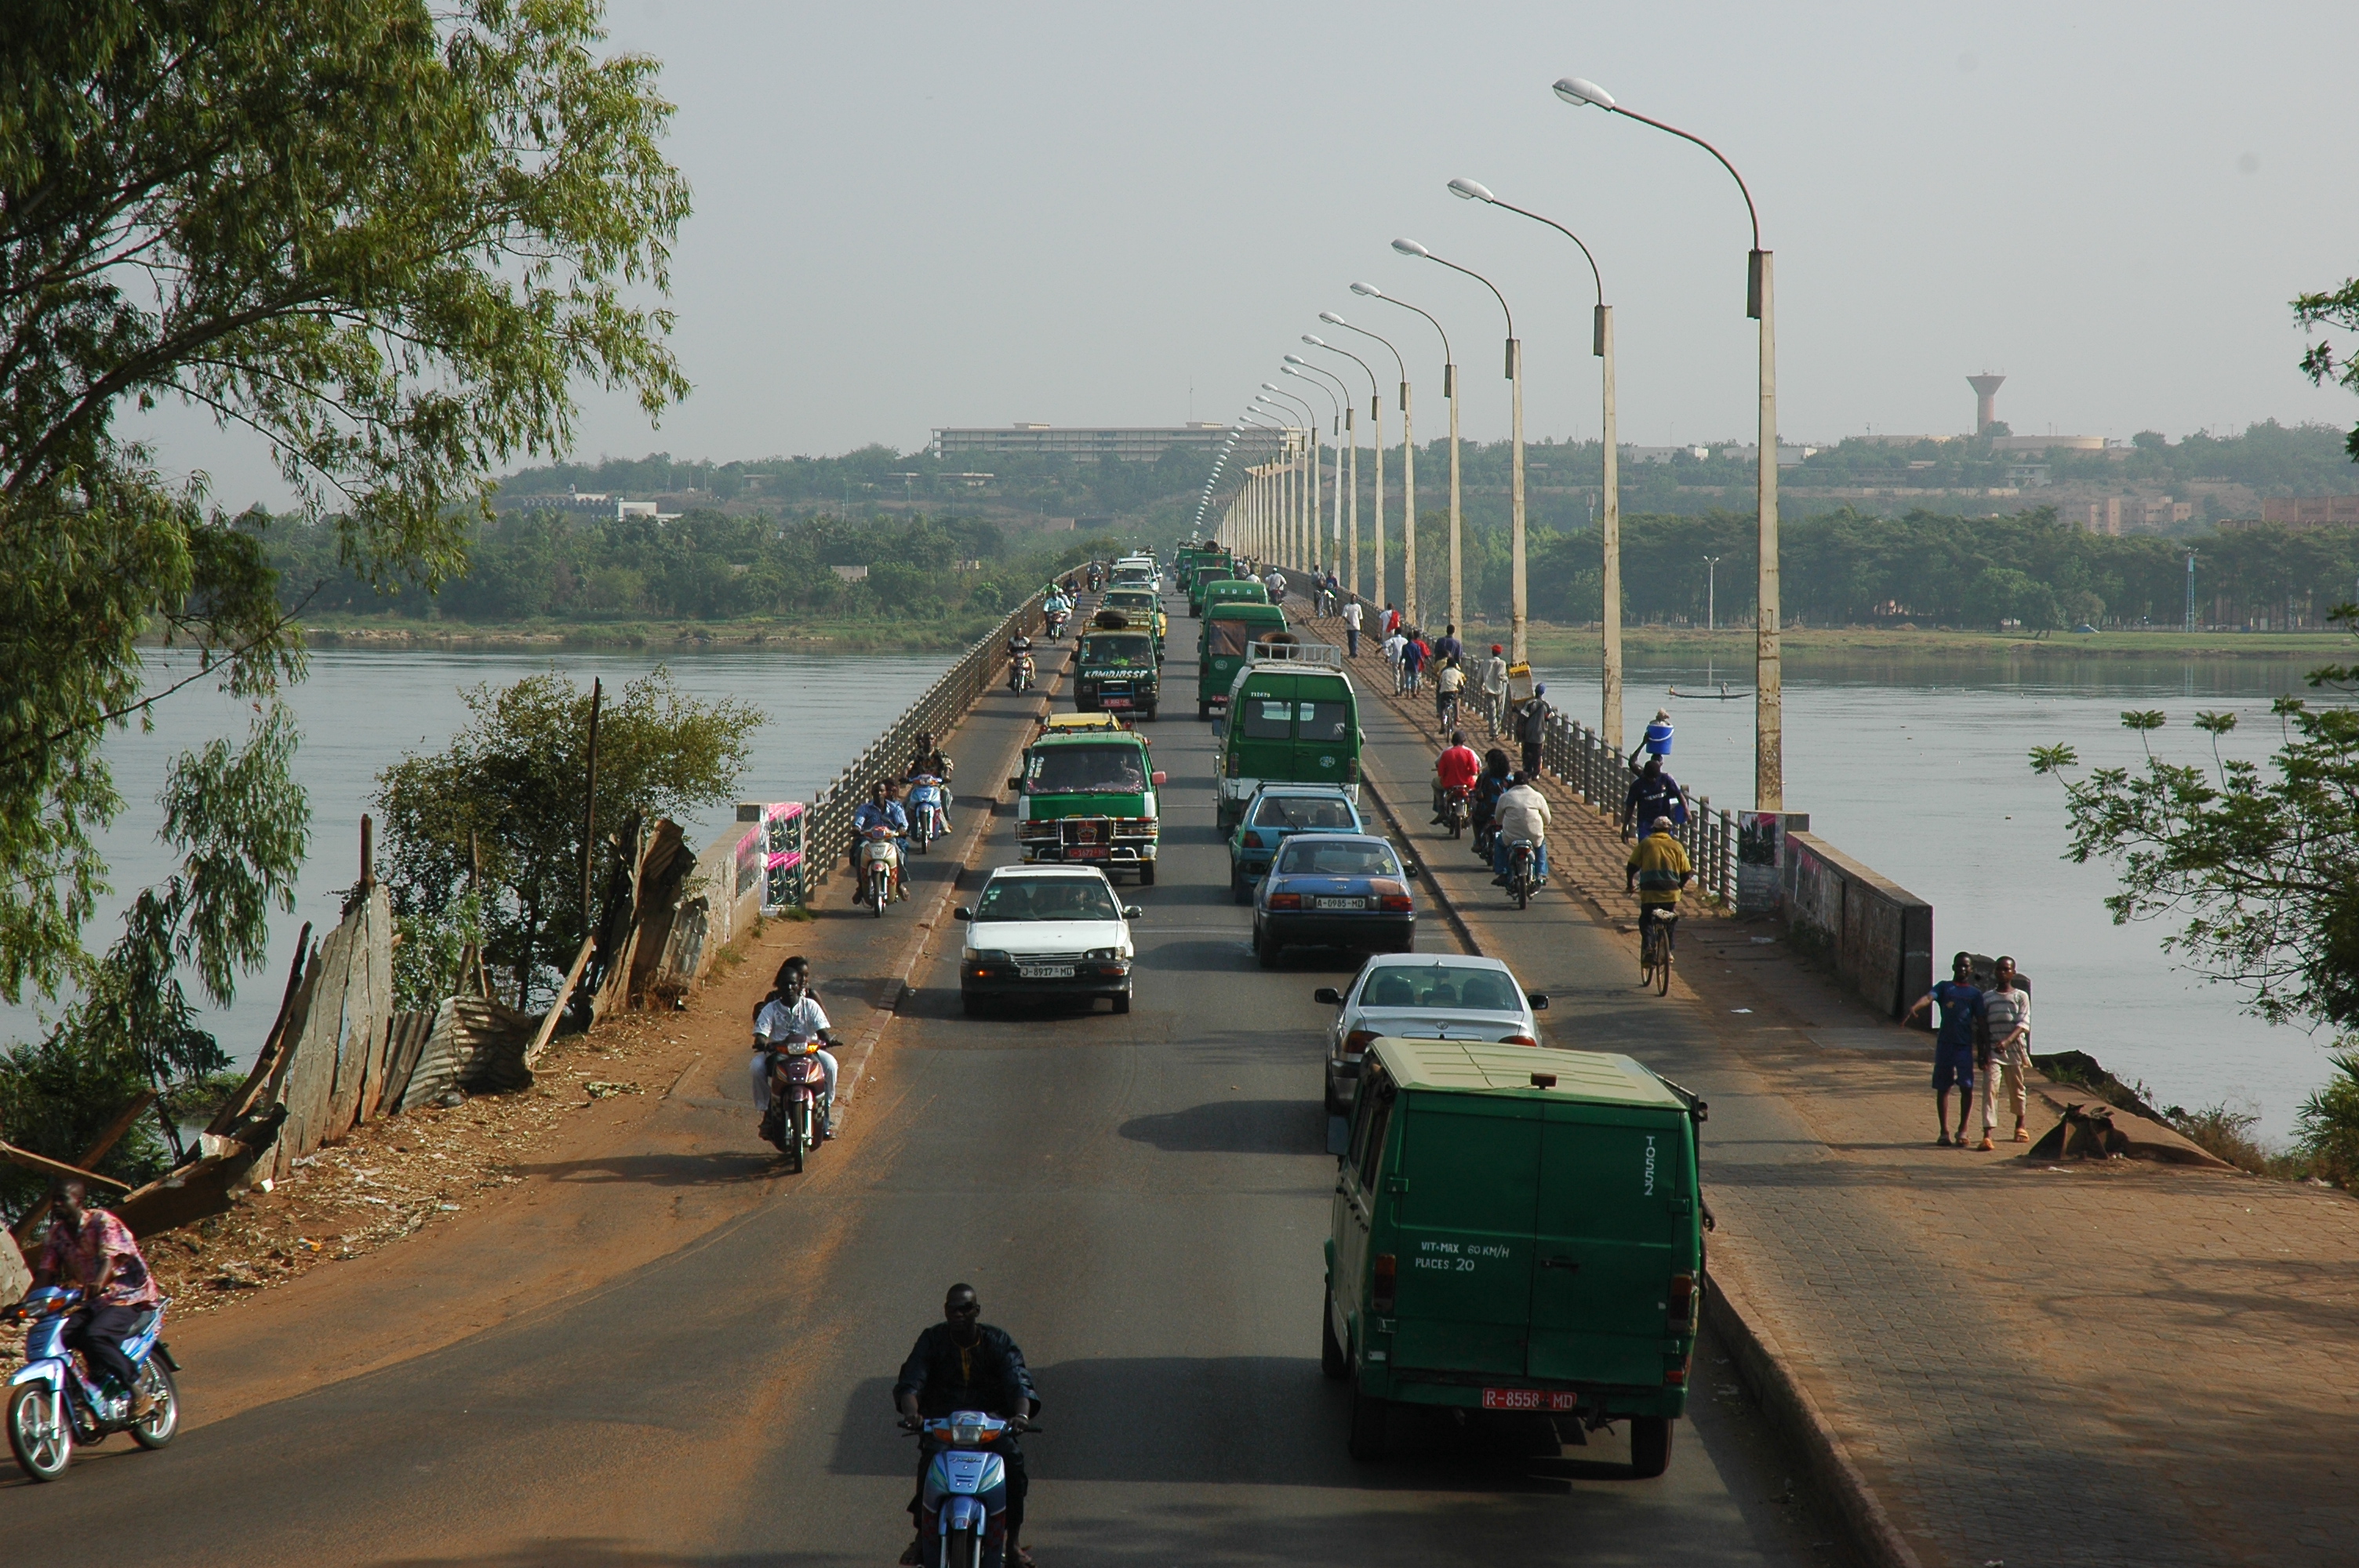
[827, 827]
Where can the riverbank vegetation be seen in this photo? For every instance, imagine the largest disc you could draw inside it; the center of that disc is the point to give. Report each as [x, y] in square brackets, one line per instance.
[2259, 864]
[389, 241]
[483, 838]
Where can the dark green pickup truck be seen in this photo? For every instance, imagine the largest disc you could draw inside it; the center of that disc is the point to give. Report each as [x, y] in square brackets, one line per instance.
[1519, 1229]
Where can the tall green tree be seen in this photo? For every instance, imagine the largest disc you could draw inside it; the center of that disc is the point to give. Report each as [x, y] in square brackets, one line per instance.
[388, 238]
[511, 783]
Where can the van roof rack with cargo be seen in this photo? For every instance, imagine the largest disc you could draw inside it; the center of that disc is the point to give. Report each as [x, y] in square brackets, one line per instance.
[1324, 655]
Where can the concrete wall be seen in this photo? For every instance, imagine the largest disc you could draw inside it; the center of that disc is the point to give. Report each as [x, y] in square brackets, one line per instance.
[1877, 935]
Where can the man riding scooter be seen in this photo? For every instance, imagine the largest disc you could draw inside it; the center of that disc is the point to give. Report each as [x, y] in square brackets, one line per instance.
[1454, 773]
[880, 817]
[1054, 611]
[1020, 662]
[786, 1026]
[89, 1248]
[965, 1362]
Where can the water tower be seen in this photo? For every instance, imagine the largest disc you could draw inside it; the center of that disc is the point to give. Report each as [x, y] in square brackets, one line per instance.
[1985, 387]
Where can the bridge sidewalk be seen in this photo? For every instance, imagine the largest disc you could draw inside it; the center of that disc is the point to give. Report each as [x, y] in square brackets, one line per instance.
[2025, 1362]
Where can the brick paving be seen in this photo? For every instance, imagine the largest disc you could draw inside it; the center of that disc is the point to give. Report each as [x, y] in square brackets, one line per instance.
[2098, 1363]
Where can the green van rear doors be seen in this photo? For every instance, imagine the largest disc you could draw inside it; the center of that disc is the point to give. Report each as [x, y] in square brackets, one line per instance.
[1616, 1203]
[1467, 1185]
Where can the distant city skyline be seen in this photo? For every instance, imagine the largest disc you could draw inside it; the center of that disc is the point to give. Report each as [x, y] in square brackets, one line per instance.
[929, 216]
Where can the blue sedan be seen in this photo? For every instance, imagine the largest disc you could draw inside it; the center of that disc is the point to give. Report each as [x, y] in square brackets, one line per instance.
[1333, 890]
[1276, 812]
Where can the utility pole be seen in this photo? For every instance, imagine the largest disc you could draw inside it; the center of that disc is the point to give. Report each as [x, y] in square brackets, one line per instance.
[2191, 589]
[590, 810]
[1711, 588]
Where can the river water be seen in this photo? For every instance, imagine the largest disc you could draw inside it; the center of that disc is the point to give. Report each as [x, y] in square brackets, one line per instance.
[359, 712]
[1918, 767]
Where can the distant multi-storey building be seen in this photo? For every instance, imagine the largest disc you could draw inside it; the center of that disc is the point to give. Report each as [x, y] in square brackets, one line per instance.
[1136, 444]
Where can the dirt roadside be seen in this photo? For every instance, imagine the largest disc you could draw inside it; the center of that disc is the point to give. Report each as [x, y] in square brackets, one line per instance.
[634, 1140]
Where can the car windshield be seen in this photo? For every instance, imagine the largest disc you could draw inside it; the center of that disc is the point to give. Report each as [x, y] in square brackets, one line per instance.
[1124, 650]
[1337, 860]
[1440, 985]
[1047, 898]
[1131, 599]
[1304, 813]
[1089, 770]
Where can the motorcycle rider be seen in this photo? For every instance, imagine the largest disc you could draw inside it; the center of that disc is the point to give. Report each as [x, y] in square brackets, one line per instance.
[1652, 793]
[1522, 813]
[791, 1016]
[1054, 610]
[89, 1248]
[1019, 662]
[1457, 768]
[1498, 772]
[880, 810]
[965, 1362]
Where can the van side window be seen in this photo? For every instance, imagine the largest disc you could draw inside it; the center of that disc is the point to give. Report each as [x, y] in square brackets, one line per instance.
[1267, 720]
[1324, 721]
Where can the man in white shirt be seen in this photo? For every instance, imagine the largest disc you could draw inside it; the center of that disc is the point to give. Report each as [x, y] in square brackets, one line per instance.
[1522, 813]
[790, 1018]
[1352, 627]
[1393, 646]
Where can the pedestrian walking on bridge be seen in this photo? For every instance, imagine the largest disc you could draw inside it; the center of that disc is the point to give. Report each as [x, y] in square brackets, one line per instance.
[1953, 1048]
[2007, 1014]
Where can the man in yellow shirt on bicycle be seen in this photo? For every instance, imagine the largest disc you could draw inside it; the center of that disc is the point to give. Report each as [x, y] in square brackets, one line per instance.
[1657, 869]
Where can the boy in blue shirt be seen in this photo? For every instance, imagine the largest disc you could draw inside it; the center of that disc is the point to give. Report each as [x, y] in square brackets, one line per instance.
[1953, 1048]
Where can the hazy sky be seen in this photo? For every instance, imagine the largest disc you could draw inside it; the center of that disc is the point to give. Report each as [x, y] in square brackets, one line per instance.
[909, 216]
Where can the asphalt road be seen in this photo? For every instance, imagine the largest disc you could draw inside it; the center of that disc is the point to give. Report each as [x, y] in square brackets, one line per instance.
[1140, 1200]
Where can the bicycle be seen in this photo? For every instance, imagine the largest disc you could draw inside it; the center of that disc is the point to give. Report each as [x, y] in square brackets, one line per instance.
[1657, 926]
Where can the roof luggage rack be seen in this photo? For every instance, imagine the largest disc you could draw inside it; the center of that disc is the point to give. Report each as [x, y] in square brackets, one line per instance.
[1292, 653]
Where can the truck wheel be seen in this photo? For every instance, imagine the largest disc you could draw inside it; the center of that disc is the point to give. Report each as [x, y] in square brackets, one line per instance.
[1149, 714]
[1332, 1362]
[1147, 873]
[1240, 887]
[1650, 1445]
[1204, 711]
[1369, 1419]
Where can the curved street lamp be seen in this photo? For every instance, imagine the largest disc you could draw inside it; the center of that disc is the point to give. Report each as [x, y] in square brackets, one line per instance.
[1377, 413]
[1306, 517]
[1346, 436]
[1409, 482]
[1450, 394]
[1601, 343]
[1768, 677]
[1519, 653]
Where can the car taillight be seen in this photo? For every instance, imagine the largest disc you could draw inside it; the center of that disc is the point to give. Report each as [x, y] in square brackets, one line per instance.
[1253, 839]
[1381, 1295]
[1236, 762]
[1286, 901]
[1518, 1039]
[1357, 1041]
[1682, 1302]
[1394, 902]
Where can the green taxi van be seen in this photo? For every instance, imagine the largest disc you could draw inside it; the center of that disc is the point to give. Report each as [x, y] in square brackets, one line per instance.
[1089, 799]
[1116, 670]
[1213, 590]
[1516, 1228]
[1227, 630]
[1292, 717]
[1140, 607]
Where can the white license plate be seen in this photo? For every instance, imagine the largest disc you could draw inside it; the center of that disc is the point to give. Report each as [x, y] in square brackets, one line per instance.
[1339, 904]
[1044, 971]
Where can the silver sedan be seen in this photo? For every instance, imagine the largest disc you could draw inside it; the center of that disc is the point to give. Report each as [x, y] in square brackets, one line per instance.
[1423, 996]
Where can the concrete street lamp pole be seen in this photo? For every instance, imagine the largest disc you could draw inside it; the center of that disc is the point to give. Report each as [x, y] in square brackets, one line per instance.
[1376, 415]
[1306, 530]
[1282, 478]
[1352, 583]
[1450, 393]
[1760, 303]
[1711, 590]
[1336, 427]
[1302, 369]
[1519, 653]
[1409, 477]
[1350, 437]
[1601, 344]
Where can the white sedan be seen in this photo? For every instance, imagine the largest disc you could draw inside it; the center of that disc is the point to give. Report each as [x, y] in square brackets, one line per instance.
[1423, 996]
[1047, 931]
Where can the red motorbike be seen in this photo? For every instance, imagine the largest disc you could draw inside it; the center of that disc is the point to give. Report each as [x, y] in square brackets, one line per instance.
[798, 1108]
[1457, 808]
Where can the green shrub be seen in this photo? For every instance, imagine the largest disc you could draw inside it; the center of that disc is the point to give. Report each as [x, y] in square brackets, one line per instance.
[2329, 1123]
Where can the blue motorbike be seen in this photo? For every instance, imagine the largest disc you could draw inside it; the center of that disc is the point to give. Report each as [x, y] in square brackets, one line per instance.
[54, 1403]
[963, 1507]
